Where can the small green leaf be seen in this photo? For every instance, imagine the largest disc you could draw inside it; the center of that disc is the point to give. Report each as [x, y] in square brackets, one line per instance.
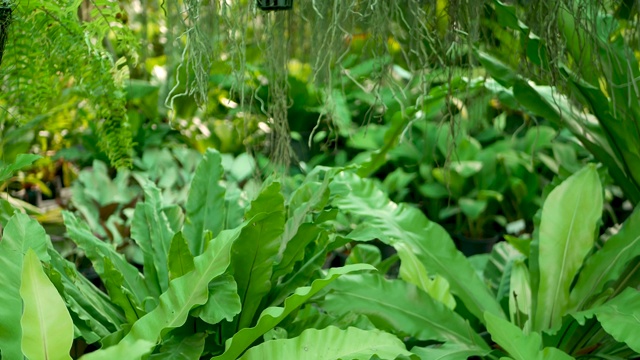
[223, 303]
[22, 161]
[180, 258]
[364, 254]
[181, 348]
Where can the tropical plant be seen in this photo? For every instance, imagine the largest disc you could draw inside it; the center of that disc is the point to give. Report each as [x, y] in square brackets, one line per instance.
[555, 291]
[252, 271]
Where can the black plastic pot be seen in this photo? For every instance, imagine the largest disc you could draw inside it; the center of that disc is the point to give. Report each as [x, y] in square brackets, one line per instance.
[471, 247]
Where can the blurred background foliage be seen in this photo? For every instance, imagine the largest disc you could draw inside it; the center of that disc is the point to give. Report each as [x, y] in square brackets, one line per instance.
[467, 111]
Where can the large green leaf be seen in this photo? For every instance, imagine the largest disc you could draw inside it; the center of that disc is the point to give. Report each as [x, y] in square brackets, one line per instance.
[22, 233]
[47, 328]
[184, 293]
[272, 316]
[620, 317]
[205, 205]
[331, 343]
[97, 251]
[397, 306]
[152, 232]
[607, 264]
[254, 254]
[566, 235]
[393, 223]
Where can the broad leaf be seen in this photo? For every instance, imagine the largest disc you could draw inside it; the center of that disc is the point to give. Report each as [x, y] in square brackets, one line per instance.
[393, 223]
[47, 328]
[205, 206]
[272, 316]
[607, 264]
[396, 306]
[22, 233]
[184, 293]
[331, 343]
[567, 228]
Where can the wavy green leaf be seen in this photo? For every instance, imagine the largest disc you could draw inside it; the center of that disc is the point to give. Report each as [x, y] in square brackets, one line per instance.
[120, 295]
[413, 272]
[223, 303]
[567, 233]
[331, 343]
[205, 206]
[272, 316]
[47, 328]
[432, 245]
[97, 250]
[180, 258]
[150, 229]
[184, 293]
[253, 255]
[620, 317]
[607, 264]
[408, 311]
[94, 313]
[20, 234]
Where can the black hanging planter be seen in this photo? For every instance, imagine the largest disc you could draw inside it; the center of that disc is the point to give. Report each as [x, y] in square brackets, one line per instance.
[270, 5]
[5, 21]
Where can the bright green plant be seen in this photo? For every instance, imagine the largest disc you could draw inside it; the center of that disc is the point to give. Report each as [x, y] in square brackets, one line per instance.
[557, 297]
